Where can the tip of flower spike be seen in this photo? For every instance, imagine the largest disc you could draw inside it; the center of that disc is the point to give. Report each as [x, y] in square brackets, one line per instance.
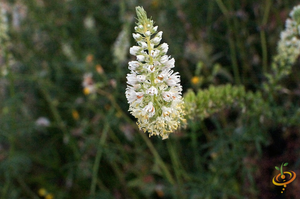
[295, 14]
[141, 13]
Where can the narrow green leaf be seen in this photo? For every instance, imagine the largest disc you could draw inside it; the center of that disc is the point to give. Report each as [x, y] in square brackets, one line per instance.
[277, 168]
[285, 164]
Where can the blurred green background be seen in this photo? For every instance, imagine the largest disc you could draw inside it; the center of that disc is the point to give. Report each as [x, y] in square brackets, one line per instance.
[58, 140]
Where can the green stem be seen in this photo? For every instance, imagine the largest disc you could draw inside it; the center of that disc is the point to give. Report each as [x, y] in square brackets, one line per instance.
[5, 187]
[222, 7]
[240, 44]
[263, 42]
[176, 167]
[122, 180]
[263, 36]
[144, 137]
[232, 49]
[98, 158]
[194, 136]
[58, 119]
[26, 188]
[158, 158]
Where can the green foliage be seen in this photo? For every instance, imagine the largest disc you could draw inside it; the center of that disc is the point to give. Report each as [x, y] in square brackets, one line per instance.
[209, 101]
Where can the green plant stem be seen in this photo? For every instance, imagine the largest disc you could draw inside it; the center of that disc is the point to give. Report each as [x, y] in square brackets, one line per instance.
[176, 167]
[98, 158]
[209, 18]
[195, 146]
[11, 84]
[116, 140]
[263, 36]
[5, 187]
[222, 7]
[264, 50]
[11, 137]
[58, 119]
[232, 49]
[26, 188]
[158, 158]
[144, 137]
[122, 180]
[240, 44]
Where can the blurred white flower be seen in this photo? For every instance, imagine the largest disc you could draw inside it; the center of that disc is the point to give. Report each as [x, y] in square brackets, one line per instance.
[42, 121]
[89, 22]
[88, 84]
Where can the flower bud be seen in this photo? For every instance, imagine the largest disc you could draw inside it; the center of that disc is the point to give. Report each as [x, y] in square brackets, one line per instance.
[140, 58]
[147, 33]
[164, 48]
[136, 36]
[133, 65]
[134, 50]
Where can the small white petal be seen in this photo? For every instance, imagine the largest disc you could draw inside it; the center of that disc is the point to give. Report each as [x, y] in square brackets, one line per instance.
[151, 68]
[134, 50]
[149, 109]
[170, 63]
[140, 57]
[131, 79]
[140, 27]
[174, 79]
[164, 59]
[136, 36]
[167, 96]
[155, 28]
[166, 111]
[130, 95]
[163, 75]
[148, 33]
[139, 96]
[136, 86]
[156, 40]
[155, 53]
[141, 78]
[152, 91]
[133, 65]
[159, 34]
[42, 121]
[144, 45]
[164, 47]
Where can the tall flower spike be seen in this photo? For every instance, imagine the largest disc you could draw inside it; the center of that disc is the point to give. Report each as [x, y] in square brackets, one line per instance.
[153, 90]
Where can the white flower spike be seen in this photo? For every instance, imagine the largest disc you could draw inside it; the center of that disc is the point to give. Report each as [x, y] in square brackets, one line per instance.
[153, 90]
